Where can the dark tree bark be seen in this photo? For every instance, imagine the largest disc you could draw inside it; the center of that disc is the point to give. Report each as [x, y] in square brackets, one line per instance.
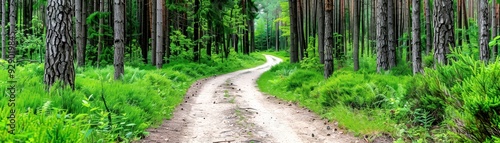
[355, 52]
[100, 41]
[79, 33]
[321, 31]
[152, 23]
[417, 59]
[329, 65]
[59, 42]
[484, 31]
[144, 40]
[443, 30]
[391, 43]
[119, 37]
[382, 41]
[196, 31]
[3, 29]
[294, 55]
[428, 31]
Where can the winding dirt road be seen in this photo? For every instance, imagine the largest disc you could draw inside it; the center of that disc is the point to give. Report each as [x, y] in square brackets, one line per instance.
[230, 108]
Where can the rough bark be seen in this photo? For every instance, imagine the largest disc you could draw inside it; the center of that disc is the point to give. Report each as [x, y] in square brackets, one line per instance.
[484, 38]
[119, 37]
[321, 32]
[3, 29]
[391, 45]
[493, 28]
[382, 41]
[294, 55]
[416, 54]
[355, 52]
[443, 30]
[428, 29]
[59, 42]
[328, 67]
[79, 32]
[159, 34]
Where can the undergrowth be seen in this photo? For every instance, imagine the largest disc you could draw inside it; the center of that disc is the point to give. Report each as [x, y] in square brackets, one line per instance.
[142, 99]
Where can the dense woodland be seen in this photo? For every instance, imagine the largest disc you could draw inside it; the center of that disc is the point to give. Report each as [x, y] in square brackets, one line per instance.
[418, 70]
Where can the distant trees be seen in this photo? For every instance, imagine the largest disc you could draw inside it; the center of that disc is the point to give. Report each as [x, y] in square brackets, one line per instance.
[59, 42]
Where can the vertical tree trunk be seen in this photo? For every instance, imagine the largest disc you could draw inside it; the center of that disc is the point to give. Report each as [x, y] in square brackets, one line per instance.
[119, 37]
[355, 51]
[329, 65]
[417, 59]
[3, 30]
[391, 35]
[321, 31]
[144, 41]
[196, 31]
[382, 41]
[428, 30]
[484, 38]
[100, 43]
[466, 24]
[59, 42]
[152, 6]
[493, 27]
[294, 56]
[277, 37]
[443, 30]
[159, 34]
[79, 33]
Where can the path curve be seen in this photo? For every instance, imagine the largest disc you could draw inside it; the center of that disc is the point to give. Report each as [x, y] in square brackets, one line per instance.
[230, 108]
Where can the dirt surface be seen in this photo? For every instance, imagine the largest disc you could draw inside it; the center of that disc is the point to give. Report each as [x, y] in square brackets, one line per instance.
[230, 108]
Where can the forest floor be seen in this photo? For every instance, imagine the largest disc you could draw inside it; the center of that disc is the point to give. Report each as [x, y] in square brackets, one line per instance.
[230, 108]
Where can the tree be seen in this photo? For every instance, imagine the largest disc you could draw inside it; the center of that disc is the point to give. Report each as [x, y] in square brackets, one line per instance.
[328, 67]
[443, 30]
[196, 31]
[159, 34]
[484, 38]
[428, 31]
[119, 37]
[294, 37]
[382, 41]
[355, 51]
[391, 35]
[416, 54]
[321, 32]
[59, 42]
[80, 59]
[3, 29]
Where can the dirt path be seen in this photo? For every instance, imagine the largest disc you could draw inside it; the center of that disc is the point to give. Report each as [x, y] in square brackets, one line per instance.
[230, 108]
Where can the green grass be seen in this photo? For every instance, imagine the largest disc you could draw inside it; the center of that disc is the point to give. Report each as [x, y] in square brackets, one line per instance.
[144, 98]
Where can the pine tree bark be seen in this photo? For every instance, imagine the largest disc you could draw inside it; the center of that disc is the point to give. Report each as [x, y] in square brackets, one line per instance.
[294, 55]
[100, 40]
[428, 29]
[321, 32]
[3, 29]
[119, 37]
[382, 41]
[159, 34]
[391, 35]
[79, 32]
[493, 28]
[416, 54]
[355, 52]
[484, 37]
[329, 65]
[59, 42]
[443, 30]
[196, 31]
[152, 23]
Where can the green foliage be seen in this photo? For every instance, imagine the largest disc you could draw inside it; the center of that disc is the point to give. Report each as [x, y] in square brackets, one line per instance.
[144, 98]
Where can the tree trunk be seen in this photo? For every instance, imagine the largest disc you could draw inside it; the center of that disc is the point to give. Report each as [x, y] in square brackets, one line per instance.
[196, 31]
[294, 55]
[100, 43]
[484, 38]
[152, 26]
[382, 41]
[329, 65]
[119, 37]
[277, 37]
[59, 42]
[321, 31]
[443, 30]
[355, 52]
[159, 34]
[144, 41]
[428, 31]
[3, 30]
[79, 33]
[417, 59]
[391, 35]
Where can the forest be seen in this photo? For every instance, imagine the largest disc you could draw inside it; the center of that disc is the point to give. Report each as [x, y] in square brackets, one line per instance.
[379, 70]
